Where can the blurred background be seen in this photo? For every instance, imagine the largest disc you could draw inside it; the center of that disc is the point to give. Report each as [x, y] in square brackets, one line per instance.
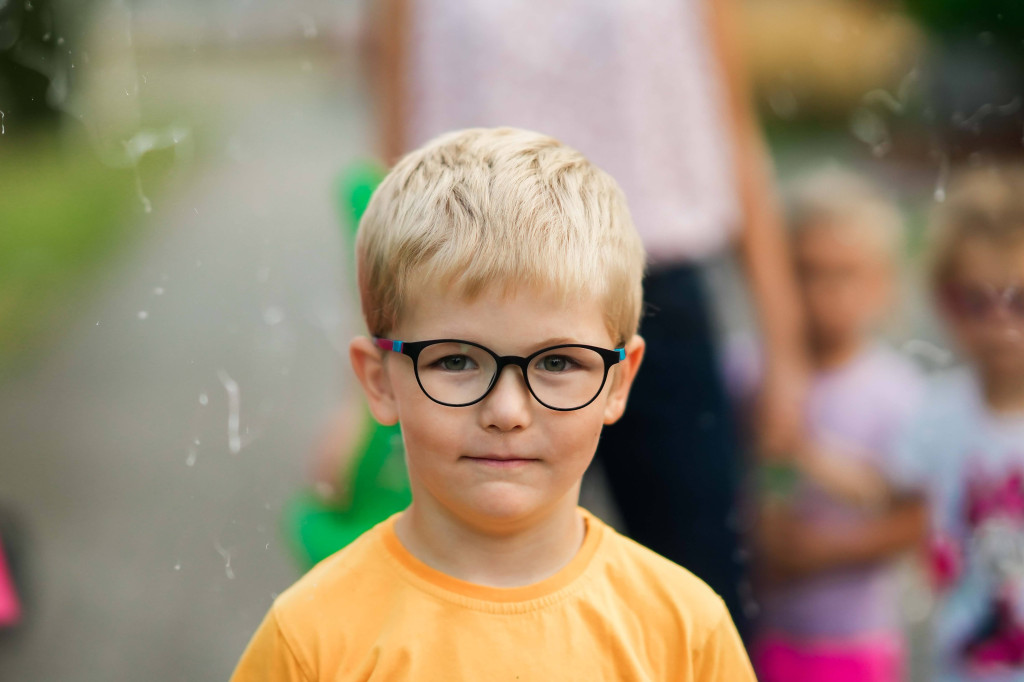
[176, 289]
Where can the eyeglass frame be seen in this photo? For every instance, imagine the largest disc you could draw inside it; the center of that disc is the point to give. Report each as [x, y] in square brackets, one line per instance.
[996, 299]
[414, 348]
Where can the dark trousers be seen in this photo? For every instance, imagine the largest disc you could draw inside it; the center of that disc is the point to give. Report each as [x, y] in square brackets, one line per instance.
[672, 461]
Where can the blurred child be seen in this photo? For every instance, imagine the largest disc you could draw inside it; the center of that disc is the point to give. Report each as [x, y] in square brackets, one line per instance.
[359, 467]
[966, 450]
[827, 530]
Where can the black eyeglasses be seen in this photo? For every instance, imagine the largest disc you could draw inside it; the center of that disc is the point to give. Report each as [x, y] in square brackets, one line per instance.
[459, 373]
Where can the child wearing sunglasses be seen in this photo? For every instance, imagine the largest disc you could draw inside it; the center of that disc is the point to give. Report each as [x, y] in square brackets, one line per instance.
[500, 277]
[966, 451]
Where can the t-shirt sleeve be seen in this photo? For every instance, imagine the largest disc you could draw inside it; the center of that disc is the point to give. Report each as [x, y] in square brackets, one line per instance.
[269, 657]
[722, 657]
[913, 457]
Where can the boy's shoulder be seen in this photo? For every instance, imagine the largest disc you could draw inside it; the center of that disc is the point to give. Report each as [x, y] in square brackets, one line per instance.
[644, 577]
[346, 565]
[348, 581]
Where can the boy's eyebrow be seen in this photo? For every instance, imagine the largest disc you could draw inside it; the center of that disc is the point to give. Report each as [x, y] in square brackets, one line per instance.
[554, 341]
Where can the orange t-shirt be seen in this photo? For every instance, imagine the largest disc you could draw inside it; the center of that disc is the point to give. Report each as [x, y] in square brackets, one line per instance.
[617, 611]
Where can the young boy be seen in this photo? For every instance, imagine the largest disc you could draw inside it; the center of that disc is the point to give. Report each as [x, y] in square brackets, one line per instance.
[500, 278]
[829, 607]
[965, 452]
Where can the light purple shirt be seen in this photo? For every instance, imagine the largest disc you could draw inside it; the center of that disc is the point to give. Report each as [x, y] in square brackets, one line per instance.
[856, 411]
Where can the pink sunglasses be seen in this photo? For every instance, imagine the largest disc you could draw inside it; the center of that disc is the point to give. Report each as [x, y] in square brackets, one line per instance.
[982, 302]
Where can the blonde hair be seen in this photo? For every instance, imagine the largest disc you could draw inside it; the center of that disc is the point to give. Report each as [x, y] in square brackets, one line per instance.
[833, 198]
[480, 208]
[985, 203]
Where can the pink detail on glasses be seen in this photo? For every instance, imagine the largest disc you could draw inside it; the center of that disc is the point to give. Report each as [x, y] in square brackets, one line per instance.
[388, 344]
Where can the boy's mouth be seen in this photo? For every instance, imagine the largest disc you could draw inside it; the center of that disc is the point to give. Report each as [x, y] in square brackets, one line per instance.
[502, 461]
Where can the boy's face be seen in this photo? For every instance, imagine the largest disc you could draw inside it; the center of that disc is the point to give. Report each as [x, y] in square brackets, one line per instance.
[507, 459]
[844, 283]
[983, 304]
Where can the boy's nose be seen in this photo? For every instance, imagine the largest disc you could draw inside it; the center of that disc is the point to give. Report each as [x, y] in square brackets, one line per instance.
[508, 406]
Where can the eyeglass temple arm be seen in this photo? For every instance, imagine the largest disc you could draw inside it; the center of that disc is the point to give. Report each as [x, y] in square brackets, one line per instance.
[388, 344]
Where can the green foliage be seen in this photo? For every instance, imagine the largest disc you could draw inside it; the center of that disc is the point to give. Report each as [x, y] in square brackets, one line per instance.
[62, 214]
[1003, 20]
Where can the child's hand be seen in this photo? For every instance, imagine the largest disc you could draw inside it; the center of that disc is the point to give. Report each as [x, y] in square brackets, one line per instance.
[335, 453]
[789, 548]
[779, 412]
[845, 478]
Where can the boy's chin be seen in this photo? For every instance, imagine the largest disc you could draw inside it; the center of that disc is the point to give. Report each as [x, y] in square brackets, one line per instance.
[505, 505]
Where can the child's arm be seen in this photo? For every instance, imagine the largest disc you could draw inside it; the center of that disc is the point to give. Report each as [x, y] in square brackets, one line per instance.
[337, 449]
[763, 253]
[391, 39]
[791, 549]
[846, 478]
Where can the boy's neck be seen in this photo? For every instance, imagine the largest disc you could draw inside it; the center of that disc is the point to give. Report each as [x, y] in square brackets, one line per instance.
[1004, 394]
[827, 355]
[497, 557]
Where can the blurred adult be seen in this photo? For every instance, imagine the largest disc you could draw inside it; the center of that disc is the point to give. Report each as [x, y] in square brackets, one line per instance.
[653, 92]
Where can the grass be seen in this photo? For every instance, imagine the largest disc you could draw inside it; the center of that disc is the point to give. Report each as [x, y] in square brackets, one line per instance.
[62, 214]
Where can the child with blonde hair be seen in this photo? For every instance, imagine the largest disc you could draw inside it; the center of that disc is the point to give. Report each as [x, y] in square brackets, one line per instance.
[828, 530]
[500, 276]
[965, 451]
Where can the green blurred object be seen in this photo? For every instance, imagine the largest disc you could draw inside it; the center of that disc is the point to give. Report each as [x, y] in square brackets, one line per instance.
[380, 487]
[1003, 20]
[379, 482]
[777, 480]
[355, 187]
[63, 216]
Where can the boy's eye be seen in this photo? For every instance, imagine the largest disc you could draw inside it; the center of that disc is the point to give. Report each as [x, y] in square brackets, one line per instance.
[555, 363]
[456, 363]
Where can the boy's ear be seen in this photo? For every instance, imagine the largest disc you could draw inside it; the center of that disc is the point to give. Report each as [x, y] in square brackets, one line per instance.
[622, 379]
[368, 364]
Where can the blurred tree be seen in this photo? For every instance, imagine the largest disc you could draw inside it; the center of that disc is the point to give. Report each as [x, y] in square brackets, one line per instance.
[28, 56]
[974, 74]
[1001, 20]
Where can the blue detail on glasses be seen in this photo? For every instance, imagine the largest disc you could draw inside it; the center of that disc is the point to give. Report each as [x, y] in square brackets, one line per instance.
[388, 344]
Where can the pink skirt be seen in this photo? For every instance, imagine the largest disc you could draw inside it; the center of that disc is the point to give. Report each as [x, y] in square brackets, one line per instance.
[10, 607]
[877, 658]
